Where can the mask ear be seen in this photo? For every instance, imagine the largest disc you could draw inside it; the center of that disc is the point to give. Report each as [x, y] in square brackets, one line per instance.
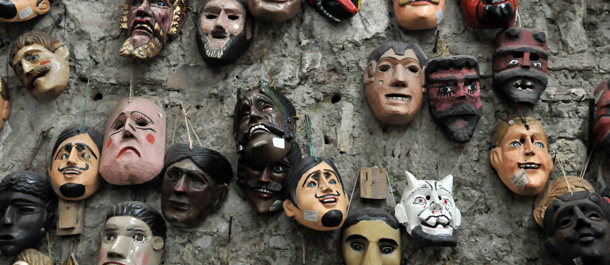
[43, 7]
[249, 28]
[62, 51]
[423, 79]
[289, 208]
[222, 193]
[495, 157]
[448, 182]
[401, 214]
[158, 243]
[369, 73]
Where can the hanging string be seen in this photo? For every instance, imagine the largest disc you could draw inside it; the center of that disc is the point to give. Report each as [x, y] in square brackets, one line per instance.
[49, 246]
[391, 191]
[312, 150]
[175, 125]
[194, 132]
[584, 169]
[443, 47]
[131, 82]
[188, 132]
[351, 197]
[87, 91]
[561, 165]
[302, 127]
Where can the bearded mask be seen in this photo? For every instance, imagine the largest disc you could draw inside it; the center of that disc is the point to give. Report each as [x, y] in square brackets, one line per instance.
[263, 124]
[336, 10]
[134, 143]
[601, 129]
[453, 95]
[151, 25]
[555, 188]
[489, 14]
[577, 228]
[75, 160]
[393, 82]
[274, 11]
[428, 211]
[520, 64]
[5, 102]
[22, 10]
[41, 64]
[419, 14]
[316, 197]
[225, 31]
[520, 155]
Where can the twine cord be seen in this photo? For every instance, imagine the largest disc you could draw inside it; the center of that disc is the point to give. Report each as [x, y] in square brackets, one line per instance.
[49, 246]
[352, 196]
[443, 46]
[87, 91]
[584, 168]
[391, 191]
[175, 125]
[561, 165]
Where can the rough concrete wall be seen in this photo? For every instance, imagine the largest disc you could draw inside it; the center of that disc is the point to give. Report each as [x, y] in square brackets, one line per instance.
[319, 65]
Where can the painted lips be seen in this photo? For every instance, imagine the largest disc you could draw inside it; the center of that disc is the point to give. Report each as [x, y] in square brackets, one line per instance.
[529, 165]
[125, 149]
[143, 25]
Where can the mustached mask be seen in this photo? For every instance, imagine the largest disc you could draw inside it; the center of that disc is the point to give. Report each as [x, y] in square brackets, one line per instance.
[224, 31]
[419, 14]
[75, 160]
[454, 95]
[520, 64]
[428, 211]
[134, 142]
[151, 25]
[601, 129]
[489, 14]
[315, 194]
[336, 10]
[263, 124]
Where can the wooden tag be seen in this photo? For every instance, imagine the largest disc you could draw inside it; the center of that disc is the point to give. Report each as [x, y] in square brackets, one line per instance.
[373, 183]
[71, 217]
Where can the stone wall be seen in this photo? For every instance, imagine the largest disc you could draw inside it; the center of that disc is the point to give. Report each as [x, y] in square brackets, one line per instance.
[318, 65]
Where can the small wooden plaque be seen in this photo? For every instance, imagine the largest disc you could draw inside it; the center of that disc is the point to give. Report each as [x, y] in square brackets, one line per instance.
[71, 217]
[373, 183]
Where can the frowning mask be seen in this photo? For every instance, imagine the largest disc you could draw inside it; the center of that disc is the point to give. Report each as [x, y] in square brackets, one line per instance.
[225, 31]
[428, 211]
[393, 82]
[453, 95]
[316, 198]
[274, 10]
[263, 124]
[41, 64]
[419, 14]
[133, 234]
[134, 143]
[22, 10]
[520, 155]
[371, 236]
[5, 102]
[487, 14]
[577, 229]
[195, 183]
[520, 64]
[336, 10]
[150, 24]
[74, 168]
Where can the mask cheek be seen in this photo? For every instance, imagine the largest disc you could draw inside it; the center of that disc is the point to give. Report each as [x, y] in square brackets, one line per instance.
[150, 138]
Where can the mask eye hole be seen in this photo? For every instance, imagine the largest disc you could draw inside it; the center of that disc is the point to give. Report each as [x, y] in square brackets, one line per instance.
[233, 17]
[414, 69]
[383, 68]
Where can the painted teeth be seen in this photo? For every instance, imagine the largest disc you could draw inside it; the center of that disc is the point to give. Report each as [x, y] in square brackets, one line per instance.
[257, 127]
[529, 166]
[399, 98]
[329, 200]
[71, 172]
[523, 85]
[264, 191]
[144, 26]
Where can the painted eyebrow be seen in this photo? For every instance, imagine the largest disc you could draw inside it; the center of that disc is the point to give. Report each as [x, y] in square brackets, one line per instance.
[117, 118]
[389, 241]
[151, 121]
[77, 145]
[356, 237]
[66, 146]
[111, 229]
[135, 229]
[310, 174]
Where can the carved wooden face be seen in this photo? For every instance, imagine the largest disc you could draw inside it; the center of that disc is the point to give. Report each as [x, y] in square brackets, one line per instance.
[274, 10]
[22, 10]
[520, 64]
[322, 202]
[522, 159]
[371, 242]
[394, 87]
[336, 10]
[129, 241]
[74, 171]
[419, 14]
[428, 211]
[151, 24]
[41, 71]
[263, 185]
[224, 33]
[489, 14]
[134, 143]
[454, 95]
[23, 217]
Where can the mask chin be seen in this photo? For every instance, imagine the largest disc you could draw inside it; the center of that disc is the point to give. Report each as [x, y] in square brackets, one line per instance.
[436, 240]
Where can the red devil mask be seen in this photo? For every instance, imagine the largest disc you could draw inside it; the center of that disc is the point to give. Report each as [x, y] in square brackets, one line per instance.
[601, 128]
[520, 64]
[453, 95]
[489, 14]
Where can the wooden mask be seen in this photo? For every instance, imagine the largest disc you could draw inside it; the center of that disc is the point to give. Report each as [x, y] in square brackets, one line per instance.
[419, 14]
[488, 14]
[41, 64]
[520, 155]
[453, 85]
[274, 11]
[22, 10]
[5, 102]
[134, 142]
[520, 64]
[336, 10]
[554, 189]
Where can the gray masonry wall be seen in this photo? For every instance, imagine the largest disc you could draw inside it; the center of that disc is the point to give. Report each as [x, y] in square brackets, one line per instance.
[318, 65]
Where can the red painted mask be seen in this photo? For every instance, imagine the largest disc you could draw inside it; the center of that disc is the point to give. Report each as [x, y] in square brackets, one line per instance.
[488, 14]
[520, 64]
[336, 10]
[601, 129]
[454, 95]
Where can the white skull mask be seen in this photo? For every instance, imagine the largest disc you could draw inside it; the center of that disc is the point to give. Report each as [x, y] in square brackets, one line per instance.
[428, 211]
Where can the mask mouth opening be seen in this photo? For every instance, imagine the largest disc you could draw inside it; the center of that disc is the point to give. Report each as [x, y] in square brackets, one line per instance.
[437, 222]
[524, 85]
[145, 25]
[398, 97]
[529, 165]
[219, 34]
[493, 2]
